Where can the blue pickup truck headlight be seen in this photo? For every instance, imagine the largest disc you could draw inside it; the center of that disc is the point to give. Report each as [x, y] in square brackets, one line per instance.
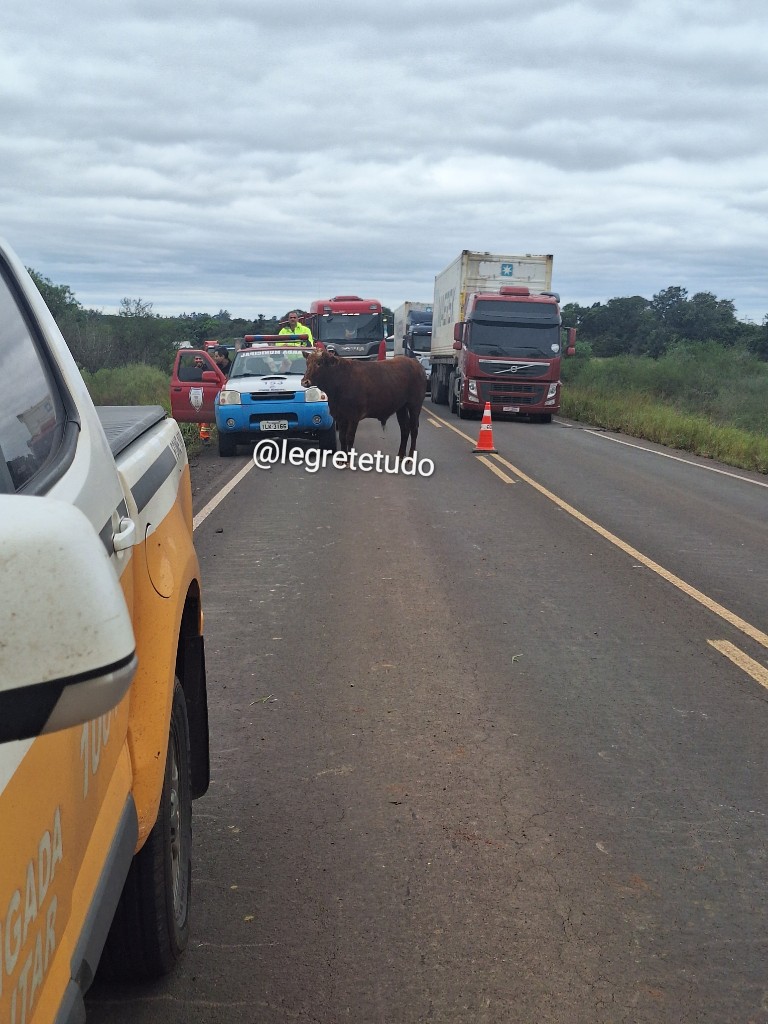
[229, 398]
[314, 394]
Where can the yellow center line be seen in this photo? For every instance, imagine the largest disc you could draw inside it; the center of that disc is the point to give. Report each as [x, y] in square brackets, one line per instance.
[686, 588]
[741, 660]
[496, 470]
[706, 602]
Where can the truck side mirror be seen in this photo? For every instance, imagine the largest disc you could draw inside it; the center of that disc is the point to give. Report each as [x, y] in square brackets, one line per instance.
[68, 652]
[458, 333]
[570, 347]
[211, 376]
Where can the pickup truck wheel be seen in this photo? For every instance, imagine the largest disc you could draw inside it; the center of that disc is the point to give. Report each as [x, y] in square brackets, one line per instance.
[227, 446]
[150, 929]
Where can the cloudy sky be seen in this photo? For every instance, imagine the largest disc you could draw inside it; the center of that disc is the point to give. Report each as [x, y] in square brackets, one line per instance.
[253, 156]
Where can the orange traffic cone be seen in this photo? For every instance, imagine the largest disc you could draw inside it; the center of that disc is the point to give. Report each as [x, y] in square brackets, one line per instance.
[205, 434]
[485, 440]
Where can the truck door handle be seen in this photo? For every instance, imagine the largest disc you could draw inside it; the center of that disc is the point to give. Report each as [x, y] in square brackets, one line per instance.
[124, 538]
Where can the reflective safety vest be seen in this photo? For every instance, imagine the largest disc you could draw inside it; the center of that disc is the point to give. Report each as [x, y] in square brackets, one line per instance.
[298, 329]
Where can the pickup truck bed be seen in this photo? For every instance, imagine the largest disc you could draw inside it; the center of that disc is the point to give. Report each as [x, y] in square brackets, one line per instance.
[124, 423]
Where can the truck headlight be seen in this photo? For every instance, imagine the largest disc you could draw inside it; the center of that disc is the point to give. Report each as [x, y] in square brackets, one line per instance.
[472, 390]
[314, 394]
[552, 390]
[229, 398]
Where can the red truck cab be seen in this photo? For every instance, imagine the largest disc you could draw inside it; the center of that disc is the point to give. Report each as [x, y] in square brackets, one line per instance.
[509, 348]
[349, 326]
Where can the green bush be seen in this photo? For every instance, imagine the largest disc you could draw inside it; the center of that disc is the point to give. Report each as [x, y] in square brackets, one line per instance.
[137, 384]
[699, 397]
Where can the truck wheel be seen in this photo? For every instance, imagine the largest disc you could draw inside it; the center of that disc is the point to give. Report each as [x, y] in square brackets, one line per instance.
[328, 440]
[227, 445]
[439, 391]
[150, 929]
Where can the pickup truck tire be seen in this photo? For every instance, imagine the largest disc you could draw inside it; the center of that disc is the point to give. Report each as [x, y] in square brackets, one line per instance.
[150, 929]
[227, 446]
[328, 440]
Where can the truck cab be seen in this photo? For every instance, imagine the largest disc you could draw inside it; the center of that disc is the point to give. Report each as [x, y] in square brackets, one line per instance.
[509, 347]
[349, 326]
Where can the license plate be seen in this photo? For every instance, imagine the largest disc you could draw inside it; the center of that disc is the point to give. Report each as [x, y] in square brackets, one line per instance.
[273, 425]
[511, 408]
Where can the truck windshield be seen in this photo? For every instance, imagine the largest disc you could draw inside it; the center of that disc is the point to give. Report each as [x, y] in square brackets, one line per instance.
[350, 327]
[533, 341]
[421, 341]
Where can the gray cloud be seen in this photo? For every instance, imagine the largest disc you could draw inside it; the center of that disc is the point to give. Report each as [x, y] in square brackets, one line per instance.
[254, 159]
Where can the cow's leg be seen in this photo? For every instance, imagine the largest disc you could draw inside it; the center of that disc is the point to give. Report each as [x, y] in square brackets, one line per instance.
[414, 415]
[404, 420]
[351, 431]
[343, 426]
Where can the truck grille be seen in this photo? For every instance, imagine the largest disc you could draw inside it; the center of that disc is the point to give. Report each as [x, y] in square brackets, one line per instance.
[512, 393]
[272, 396]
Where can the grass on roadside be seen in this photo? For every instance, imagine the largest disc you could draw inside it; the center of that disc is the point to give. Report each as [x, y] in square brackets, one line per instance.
[645, 417]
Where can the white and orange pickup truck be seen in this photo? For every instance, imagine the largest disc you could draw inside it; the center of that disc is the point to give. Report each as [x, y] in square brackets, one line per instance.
[103, 707]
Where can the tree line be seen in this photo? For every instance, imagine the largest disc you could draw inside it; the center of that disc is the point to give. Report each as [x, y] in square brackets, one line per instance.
[621, 326]
[136, 334]
[651, 327]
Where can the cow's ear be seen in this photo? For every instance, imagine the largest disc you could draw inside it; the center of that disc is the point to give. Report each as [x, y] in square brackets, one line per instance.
[305, 353]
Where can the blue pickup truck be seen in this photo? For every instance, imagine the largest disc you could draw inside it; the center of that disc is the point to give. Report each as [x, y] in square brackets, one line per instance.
[263, 397]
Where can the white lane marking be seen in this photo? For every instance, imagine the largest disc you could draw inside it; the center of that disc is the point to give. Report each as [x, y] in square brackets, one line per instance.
[203, 514]
[677, 458]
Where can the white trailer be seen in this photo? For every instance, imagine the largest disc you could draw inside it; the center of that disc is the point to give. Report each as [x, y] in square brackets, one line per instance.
[480, 272]
[401, 320]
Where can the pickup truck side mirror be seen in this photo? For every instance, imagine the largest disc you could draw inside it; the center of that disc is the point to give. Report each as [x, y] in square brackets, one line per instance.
[68, 652]
[212, 377]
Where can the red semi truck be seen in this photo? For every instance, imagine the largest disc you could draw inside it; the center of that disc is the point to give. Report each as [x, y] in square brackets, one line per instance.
[349, 326]
[497, 337]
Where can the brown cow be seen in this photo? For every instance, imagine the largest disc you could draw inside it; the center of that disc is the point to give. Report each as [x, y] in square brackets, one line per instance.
[359, 390]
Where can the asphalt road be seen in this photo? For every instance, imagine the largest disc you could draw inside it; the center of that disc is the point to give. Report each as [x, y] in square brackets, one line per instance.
[486, 748]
